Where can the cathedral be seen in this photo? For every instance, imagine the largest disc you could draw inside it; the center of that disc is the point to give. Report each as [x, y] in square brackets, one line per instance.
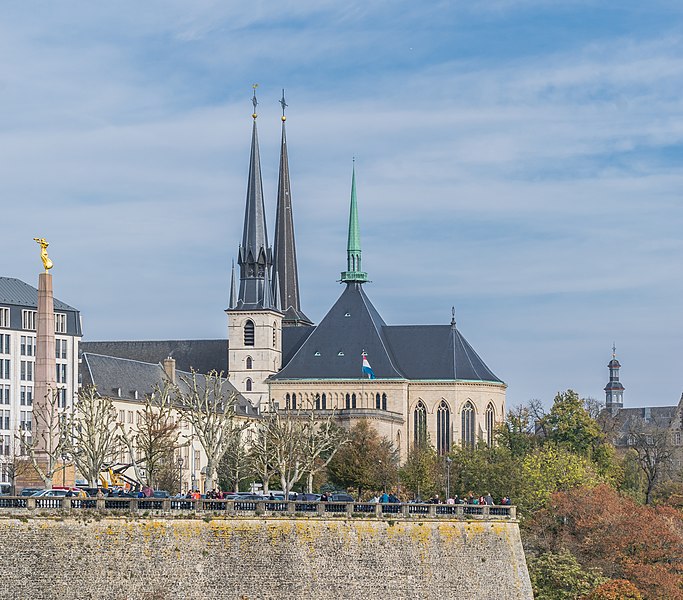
[414, 383]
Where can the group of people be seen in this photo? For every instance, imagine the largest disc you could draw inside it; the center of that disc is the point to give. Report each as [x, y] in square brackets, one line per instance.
[471, 499]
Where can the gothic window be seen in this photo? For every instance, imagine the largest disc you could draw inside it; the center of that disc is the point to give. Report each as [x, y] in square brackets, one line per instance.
[348, 401]
[490, 424]
[420, 424]
[288, 400]
[250, 363]
[443, 428]
[317, 402]
[384, 401]
[378, 401]
[274, 334]
[248, 385]
[293, 401]
[353, 400]
[249, 333]
[467, 425]
[324, 401]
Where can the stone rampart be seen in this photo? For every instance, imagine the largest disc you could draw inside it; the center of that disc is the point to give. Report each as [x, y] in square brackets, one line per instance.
[94, 558]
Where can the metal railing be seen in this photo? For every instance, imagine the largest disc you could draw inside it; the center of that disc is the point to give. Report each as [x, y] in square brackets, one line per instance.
[14, 504]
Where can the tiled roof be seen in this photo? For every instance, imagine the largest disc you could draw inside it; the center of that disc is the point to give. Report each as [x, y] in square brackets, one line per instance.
[17, 293]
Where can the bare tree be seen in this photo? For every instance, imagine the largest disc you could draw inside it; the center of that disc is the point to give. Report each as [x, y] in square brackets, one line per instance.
[47, 448]
[209, 406]
[155, 437]
[260, 454]
[593, 407]
[236, 464]
[15, 467]
[652, 446]
[539, 416]
[322, 438]
[93, 437]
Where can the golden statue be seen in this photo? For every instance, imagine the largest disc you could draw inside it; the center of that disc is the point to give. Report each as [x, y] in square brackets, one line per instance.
[47, 263]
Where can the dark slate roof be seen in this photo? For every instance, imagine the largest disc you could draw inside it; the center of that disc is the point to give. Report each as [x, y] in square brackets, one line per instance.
[659, 416]
[109, 374]
[292, 338]
[436, 352]
[404, 352]
[17, 293]
[203, 356]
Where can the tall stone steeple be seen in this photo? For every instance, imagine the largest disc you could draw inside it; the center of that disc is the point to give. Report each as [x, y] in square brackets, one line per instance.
[285, 276]
[614, 390]
[354, 272]
[254, 256]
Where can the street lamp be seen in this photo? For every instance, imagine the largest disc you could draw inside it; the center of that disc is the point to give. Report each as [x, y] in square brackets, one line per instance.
[180, 473]
[449, 460]
[64, 457]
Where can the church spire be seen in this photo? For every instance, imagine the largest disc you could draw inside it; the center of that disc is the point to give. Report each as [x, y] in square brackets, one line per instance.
[255, 256]
[233, 289]
[353, 271]
[285, 275]
[614, 390]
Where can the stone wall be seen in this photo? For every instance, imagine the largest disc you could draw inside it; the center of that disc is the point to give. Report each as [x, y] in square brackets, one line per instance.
[260, 559]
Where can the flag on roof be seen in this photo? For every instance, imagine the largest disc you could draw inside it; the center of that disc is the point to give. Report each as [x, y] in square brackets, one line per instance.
[367, 369]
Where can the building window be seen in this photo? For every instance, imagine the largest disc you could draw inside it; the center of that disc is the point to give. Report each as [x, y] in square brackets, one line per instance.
[28, 319]
[353, 400]
[130, 417]
[60, 348]
[4, 343]
[384, 401]
[60, 323]
[288, 401]
[378, 401]
[317, 401]
[293, 401]
[324, 401]
[26, 395]
[4, 393]
[61, 397]
[249, 333]
[28, 345]
[490, 424]
[348, 401]
[443, 428]
[5, 421]
[247, 385]
[274, 334]
[197, 456]
[25, 420]
[4, 316]
[420, 425]
[26, 370]
[677, 438]
[5, 448]
[4, 368]
[61, 373]
[250, 363]
[467, 425]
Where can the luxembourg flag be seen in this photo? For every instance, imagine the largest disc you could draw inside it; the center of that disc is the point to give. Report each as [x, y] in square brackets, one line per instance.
[367, 369]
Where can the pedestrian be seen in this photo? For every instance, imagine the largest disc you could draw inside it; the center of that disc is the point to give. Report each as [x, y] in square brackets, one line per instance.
[488, 499]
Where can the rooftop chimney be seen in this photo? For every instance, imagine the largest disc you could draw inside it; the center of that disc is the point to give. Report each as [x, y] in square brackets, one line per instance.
[169, 367]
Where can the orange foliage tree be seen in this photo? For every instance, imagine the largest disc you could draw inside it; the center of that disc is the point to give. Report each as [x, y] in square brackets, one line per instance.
[615, 589]
[623, 539]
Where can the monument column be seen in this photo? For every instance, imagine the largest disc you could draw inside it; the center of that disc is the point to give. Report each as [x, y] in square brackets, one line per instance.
[46, 364]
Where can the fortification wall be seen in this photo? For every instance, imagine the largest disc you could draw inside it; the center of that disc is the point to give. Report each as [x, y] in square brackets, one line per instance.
[260, 559]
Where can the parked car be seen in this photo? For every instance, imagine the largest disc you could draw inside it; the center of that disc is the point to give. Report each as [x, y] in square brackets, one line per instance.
[340, 497]
[30, 491]
[5, 489]
[308, 497]
[161, 494]
[59, 493]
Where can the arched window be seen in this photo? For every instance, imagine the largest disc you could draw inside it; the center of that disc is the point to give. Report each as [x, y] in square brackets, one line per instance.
[248, 385]
[420, 424]
[317, 402]
[490, 423]
[249, 333]
[274, 334]
[378, 401]
[348, 401]
[293, 401]
[288, 401]
[250, 363]
[353, 400]
[398, 442]
[443, 428]
[324, 401]
[467, 425]
[384, 401]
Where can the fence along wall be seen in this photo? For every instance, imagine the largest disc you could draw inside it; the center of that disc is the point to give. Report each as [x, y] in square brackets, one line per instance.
[260, 559]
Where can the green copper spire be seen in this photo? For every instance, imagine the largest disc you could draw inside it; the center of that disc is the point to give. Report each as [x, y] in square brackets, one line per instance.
[353, 271]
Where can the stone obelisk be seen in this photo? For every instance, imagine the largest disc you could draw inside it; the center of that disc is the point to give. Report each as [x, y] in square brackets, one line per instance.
[46, 369]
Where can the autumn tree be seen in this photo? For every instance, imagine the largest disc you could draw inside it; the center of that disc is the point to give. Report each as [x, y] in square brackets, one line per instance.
[155, 437]
[92, 435]
[421, 472]
[366, 463]
[559, 576]
[615, 589]
[208, 404]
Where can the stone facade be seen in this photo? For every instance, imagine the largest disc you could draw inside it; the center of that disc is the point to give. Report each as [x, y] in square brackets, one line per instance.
[260, 559]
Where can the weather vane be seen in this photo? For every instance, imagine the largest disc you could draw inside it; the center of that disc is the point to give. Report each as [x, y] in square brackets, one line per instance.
[47, 263]
[284, 105]
[254, 101]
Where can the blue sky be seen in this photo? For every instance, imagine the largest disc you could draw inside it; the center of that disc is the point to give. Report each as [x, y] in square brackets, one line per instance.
[518, 159]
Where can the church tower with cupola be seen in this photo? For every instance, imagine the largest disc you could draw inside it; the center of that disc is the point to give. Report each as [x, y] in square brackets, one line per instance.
[614, 390]
[254, 316]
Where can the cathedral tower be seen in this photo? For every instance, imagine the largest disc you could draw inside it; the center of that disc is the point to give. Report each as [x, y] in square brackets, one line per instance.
[354, 272]
[614, 390]
[254, 320]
